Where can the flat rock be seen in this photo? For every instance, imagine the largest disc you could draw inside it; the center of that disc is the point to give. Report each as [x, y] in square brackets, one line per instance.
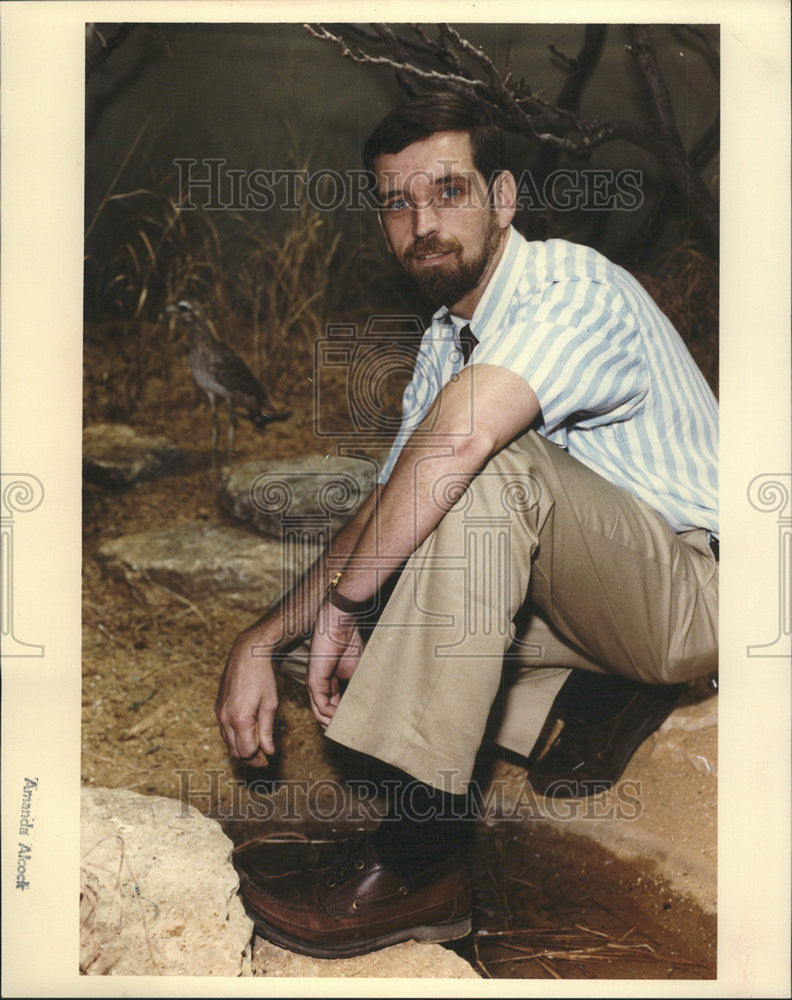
[198, 560]
[310, 496]
[158, 891]
[410, 959]
[115, 455]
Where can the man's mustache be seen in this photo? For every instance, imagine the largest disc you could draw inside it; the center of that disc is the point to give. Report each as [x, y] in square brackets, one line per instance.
[432, 245]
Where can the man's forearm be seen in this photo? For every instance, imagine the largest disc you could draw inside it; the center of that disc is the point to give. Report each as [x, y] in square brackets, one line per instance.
[292, 619]
[473, 417]
[423, 487]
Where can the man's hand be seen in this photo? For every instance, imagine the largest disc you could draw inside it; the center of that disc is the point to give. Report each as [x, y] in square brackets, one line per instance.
[248, 696]
[335, 651]
[247, 701]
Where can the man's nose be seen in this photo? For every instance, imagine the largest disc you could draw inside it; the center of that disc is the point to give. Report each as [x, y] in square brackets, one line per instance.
[424, 220]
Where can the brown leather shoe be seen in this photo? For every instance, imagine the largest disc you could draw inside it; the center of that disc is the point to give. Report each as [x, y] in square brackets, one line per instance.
[603, 721]
[351, 903]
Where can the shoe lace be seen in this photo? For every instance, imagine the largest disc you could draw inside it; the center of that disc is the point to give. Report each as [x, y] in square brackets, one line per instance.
[342, 860]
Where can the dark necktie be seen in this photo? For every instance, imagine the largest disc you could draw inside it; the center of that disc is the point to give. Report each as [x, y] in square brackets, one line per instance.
[467, 341]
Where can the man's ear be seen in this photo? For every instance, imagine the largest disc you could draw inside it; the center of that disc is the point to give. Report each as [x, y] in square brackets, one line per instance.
[504, 196]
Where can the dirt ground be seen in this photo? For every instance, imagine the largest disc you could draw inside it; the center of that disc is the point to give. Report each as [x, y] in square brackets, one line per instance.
[152, 660]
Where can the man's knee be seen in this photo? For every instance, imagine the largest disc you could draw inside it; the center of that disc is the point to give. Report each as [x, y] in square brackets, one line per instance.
[681, 666]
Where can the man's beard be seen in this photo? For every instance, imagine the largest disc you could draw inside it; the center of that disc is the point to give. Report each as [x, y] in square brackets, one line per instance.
[445, 284]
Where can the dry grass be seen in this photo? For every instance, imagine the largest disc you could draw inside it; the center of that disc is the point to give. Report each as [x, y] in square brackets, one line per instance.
[684, 283]
[102, 900]
[577, 945]
[550, 906]
[263, 283]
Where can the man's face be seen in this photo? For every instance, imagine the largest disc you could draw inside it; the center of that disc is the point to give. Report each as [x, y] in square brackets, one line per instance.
[439, 220]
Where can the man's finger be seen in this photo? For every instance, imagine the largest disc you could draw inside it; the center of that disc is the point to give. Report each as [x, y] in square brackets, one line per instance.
[265, 733]
[259, 759]
[229, 737]
[348, 662]
[322, 706]
[247, 740]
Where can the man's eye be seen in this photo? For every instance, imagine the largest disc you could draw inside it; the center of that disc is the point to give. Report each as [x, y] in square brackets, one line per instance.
[450, 193]
[396, 205]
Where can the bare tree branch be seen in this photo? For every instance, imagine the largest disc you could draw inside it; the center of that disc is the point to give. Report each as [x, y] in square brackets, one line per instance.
[688, 182]
[644, 53]
[558, 128]
[580, 67]
[107, 45]
[434, 77]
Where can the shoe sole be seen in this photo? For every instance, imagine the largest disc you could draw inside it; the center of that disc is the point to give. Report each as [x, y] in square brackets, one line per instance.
[451, 930]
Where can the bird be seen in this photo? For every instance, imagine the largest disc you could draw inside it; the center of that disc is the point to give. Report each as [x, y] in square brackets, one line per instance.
[223, 375]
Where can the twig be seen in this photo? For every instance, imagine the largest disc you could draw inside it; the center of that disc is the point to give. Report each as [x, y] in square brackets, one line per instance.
[173, 593]
[523, 881]
[108, 633]
[114, 181]
[284, 837]
[116, 763]
[590, 930]
[109, 45]
[482, 968]
[548, 968]
[139, 704]
[512, 931]
[428, 76]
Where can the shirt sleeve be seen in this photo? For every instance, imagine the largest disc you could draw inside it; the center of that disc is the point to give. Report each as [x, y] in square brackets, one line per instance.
[416, 400]
[578, 346]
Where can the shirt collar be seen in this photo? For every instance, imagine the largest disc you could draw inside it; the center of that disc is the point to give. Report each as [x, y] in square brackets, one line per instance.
[500, 288]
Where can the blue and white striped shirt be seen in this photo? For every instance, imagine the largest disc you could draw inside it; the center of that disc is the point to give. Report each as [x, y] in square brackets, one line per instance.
[617, 386]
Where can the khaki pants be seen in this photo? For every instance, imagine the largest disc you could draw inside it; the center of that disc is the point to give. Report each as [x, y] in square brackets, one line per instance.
[541, 565]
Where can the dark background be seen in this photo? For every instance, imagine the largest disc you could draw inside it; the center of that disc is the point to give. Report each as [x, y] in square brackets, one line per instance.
[271, 96]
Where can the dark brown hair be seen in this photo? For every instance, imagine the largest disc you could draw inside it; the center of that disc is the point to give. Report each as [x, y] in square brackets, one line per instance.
[442, 112]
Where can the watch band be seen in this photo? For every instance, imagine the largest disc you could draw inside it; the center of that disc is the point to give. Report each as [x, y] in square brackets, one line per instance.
[345, 604]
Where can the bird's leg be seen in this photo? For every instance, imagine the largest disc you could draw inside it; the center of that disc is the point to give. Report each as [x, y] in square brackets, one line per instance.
[215, 428]
[231, 426]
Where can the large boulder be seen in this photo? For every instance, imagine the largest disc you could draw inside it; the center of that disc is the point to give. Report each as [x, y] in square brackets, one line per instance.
[199, 560]
[158, 891]
[311, 496]
[159, 896]
[115, 455]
